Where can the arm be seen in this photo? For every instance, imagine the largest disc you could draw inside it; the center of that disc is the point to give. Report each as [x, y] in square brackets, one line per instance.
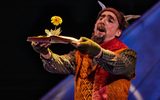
[63, 64]
[122, 62]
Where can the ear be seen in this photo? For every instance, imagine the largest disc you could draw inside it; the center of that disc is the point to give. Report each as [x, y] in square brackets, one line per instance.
[118, 33]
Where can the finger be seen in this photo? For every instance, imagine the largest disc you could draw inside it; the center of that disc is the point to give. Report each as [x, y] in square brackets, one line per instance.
[47, 45]
[84, 39]
[43, 44]
[75, 43]
[34, 43]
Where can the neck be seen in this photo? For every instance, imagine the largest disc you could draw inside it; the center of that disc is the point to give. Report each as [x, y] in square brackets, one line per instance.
[108, 39]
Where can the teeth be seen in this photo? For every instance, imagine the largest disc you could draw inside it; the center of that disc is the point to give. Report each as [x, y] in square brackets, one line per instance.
[101, 28]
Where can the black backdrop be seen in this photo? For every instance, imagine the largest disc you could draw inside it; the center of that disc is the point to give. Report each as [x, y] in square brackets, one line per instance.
[21, 72]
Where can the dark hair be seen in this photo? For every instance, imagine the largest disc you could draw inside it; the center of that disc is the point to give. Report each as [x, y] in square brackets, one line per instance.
[123, 24]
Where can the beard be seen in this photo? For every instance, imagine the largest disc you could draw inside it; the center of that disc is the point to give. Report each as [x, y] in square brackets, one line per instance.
[98, 39]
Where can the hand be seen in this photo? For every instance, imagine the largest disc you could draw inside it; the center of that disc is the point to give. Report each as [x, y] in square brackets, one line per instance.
[40, 47]
[88, 46]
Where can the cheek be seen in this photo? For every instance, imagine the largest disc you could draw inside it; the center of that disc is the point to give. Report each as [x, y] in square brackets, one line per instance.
[95, 26]
[111, 31]
[112, 28]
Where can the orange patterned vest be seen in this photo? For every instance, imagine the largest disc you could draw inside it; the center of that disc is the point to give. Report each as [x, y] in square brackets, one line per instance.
[92, 82]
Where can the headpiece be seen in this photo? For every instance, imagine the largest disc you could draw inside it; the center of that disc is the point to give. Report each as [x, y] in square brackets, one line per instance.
[122, 19]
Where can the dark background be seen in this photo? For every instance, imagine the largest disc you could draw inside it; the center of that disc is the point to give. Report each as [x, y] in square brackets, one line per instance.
[21, 72]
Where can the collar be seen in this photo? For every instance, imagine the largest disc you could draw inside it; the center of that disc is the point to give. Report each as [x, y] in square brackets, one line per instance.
[113, 44]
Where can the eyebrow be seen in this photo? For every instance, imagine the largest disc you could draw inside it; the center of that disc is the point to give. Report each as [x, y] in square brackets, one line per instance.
[111, 17]
[102, 16]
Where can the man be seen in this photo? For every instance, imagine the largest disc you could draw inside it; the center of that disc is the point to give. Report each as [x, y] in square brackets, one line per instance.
[103, 66]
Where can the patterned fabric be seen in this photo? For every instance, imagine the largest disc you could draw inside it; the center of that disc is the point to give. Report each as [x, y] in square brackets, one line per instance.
[83, 78]
[105, 78]
[115, 64]
[64, 64]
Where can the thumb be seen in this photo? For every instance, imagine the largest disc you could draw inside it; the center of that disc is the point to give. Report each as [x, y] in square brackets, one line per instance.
[83, 39]
[81, 42]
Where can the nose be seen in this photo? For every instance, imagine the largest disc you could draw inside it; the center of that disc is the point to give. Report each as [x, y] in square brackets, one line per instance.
[103, 20]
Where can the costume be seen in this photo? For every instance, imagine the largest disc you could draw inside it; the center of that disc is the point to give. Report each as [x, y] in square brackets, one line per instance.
[107, 77]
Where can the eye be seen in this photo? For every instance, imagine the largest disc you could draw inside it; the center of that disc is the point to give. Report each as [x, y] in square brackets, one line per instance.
[100, 18]
[110, 20]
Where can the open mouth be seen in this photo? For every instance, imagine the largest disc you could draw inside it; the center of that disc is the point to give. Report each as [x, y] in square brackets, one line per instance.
[101, 28]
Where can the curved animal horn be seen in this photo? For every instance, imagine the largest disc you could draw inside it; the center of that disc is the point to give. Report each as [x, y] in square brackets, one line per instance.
[101, 4]
[129, 17]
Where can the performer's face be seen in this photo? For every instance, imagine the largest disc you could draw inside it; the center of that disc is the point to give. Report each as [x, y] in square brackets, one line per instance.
[106, 27]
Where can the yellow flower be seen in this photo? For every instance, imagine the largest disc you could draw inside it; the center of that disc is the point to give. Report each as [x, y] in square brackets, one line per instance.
[56, 20]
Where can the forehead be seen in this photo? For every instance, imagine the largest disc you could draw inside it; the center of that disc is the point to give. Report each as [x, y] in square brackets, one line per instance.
[109, 13]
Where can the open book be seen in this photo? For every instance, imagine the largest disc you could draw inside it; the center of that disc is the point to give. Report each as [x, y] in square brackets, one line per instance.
[52, 39]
